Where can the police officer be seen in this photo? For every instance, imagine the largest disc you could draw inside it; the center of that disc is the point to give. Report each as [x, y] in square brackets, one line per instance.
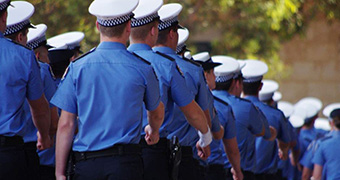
[72, 40]
[249, 121]
[106, 89]
[172, 85]
[37, 42]
[327, 155]
[193, 73]
[20, 77]
[215, 168]
[267, 160]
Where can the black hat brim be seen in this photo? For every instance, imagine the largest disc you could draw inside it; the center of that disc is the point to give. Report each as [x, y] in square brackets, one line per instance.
[208, 65]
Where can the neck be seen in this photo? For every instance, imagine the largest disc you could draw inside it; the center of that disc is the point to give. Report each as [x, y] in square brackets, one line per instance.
[147, 41]
[113, 39]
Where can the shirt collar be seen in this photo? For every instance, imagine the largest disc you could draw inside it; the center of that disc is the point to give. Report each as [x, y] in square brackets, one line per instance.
[165, 50]
[111, 45]
[1, 35]
[220, 92]
[138, 47]
[252, 98]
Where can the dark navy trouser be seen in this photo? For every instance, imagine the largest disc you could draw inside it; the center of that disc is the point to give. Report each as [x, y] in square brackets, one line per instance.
[119, 167]
[13, 163]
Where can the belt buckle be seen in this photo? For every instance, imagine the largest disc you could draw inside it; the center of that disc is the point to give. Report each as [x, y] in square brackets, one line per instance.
[83, 156]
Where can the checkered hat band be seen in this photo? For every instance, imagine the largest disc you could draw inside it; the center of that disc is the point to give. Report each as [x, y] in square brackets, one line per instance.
[237, 74]
[144, 20]
[253, 79]
[222, 79]
[36, 43]
[180, 48]
[167, 23]
[115, 21]
[16, 27]
[4, 5]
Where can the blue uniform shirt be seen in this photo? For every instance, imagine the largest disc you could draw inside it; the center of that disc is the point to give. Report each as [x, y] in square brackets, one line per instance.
[306, 136]
[106, 89]
[227, 120]
[267, 159]
[327, 155]
[49, 90]
[171, 84]
[248, 123]
[194, 78]
[20, 79]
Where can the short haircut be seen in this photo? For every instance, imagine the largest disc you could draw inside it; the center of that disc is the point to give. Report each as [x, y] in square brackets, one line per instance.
[140, 32]
[162, 35]
[115, 31]
[251, 88]
[24, 31]
[225, 86]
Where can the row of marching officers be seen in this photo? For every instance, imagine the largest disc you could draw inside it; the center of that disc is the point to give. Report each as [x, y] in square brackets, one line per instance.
[146, 111]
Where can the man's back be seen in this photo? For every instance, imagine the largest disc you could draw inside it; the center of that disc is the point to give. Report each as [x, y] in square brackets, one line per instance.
[106, 88]
[20, 78]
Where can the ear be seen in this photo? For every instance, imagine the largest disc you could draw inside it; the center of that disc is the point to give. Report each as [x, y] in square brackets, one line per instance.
[153, 31]
[128, 27]
[97, 25]
[37, 54]
[172, 34]
[19, 37]
[260, 87]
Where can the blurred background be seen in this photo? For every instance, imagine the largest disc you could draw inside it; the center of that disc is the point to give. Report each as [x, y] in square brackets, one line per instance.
[298, 39]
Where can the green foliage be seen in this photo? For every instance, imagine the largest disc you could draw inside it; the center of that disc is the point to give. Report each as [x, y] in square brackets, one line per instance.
[249, 29]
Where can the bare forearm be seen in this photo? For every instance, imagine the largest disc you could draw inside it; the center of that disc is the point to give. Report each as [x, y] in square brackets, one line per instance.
[195, 117]
[218, 135]
[207, 116]
[41, 115]
[156, 117]
[54, 120]
[65, 135]
[233, 154]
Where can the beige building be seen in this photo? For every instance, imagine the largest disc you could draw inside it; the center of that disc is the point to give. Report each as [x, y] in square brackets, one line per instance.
[314, 59]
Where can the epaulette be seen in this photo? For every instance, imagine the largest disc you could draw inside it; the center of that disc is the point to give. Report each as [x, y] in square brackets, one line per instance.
[325, 138]
[165, 56]
[192, 62]
[242, 99]
[85, 54]
[19, 44]
[144, 60]
[221, 101]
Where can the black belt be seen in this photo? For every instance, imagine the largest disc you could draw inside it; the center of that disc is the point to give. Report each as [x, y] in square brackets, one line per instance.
[11, 141]
[30, 145]
[121, 149]
[215, 167]
[162, 143]
[186, 150]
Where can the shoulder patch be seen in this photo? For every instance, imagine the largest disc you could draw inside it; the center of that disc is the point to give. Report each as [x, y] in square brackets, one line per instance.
[165, 56]
[144, 60]
[192, 62]
[221, 101]
[85, 54]
[19, 44]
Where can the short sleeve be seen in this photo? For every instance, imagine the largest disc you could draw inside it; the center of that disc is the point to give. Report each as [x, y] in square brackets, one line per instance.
[229, 126]
[306, 159]
[65, 96]
[201, 97]
[34, 85]
[152, 94]
[267, 133]
[49, 85]
[180, 93]
[284, 134]
[255, 122]
[318, 156]
[215, 122]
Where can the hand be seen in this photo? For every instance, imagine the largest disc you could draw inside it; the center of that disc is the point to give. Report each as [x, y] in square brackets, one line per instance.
[283, 155]
[237, 175]
[203, 152]
[44, 142]
[273, 133]
[61, 177]
[151, 137]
